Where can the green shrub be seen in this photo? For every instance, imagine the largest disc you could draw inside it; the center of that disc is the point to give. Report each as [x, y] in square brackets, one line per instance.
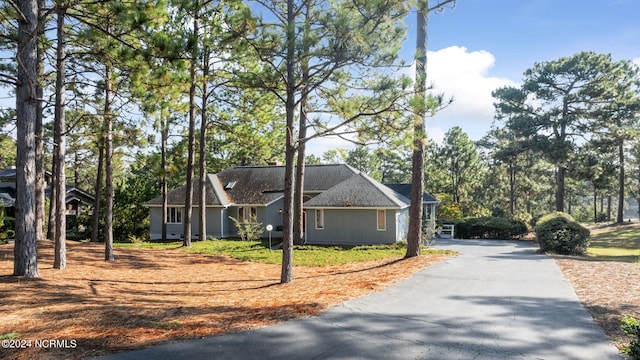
[631, 327]
[559, 233]
[7, 225]
[488, 227]
[602, 217]
[248, 231]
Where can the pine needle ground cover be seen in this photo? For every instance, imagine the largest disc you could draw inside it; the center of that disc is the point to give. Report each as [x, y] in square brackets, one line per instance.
[607, 280]
[153, 295]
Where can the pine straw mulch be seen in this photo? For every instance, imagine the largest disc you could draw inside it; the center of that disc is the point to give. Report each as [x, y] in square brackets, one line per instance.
[147, 297]
[607, 289]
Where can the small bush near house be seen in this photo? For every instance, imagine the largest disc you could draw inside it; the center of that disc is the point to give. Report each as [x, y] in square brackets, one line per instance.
[248, 231]
[488, 227]
[560, 234]
[6, 230]
[631, 327]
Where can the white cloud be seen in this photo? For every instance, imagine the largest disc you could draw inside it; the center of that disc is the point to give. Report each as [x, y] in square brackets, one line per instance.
[457, 72]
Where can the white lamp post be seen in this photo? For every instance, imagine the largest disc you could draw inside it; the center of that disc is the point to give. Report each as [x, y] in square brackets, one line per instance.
[269, 228]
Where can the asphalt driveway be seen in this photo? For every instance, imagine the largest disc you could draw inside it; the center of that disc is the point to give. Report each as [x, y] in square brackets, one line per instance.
[497, 300]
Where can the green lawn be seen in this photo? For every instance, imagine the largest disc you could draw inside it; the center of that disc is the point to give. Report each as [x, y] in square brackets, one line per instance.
[616, 244]
[307, 255]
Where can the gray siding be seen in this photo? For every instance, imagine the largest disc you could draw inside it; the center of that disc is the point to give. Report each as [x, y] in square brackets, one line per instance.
[351, 227]
[273, 217]
[214, 229]
[265, 215]
[175, 231]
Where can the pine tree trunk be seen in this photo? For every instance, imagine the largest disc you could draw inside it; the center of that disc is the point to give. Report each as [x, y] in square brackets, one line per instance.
[108, 159]
[60, 234]
[512, 190]
[188, 201]
[203, 151]
[298, 226]
[299, 223]
[95, 230]
[414, 235]
[560, 188]
[52, 203]
[620, 218]
[25, 258]
[163, 163]
[595, 205]
[40, 174]
[286, 274]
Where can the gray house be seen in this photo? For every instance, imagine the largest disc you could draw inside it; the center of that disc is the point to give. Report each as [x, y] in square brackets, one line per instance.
[76, 200]
[342, 205]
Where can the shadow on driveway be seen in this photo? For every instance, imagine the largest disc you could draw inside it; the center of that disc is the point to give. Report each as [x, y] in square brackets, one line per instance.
[496, 300]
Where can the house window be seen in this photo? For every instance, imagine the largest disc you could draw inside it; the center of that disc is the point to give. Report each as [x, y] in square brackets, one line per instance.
[247, 214]
[320, 219]
[174, 215]
[382, 220]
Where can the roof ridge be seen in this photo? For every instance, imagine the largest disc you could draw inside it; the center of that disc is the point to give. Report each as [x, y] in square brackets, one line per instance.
[387, 191]
[218, 191]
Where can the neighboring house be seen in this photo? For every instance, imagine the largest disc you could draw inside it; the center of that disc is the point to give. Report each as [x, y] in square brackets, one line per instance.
[77, 201]
[342, 205]
[429, 202]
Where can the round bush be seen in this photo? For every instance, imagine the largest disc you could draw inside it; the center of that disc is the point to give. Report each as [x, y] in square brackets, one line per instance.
[560, 234]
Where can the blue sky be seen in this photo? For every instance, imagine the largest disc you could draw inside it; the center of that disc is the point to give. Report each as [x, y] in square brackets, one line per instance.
[480, 45]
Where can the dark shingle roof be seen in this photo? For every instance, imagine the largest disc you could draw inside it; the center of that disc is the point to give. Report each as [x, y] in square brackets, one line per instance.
[339, 185]
[214, 194]
[405, 190]
[74, 193]
[359, 191]
[9, 173]
[265, 184]
[7, 196]
[253, 184]
[259, 185]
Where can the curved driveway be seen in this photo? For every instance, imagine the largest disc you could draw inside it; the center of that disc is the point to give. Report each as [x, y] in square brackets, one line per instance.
[496, 300]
